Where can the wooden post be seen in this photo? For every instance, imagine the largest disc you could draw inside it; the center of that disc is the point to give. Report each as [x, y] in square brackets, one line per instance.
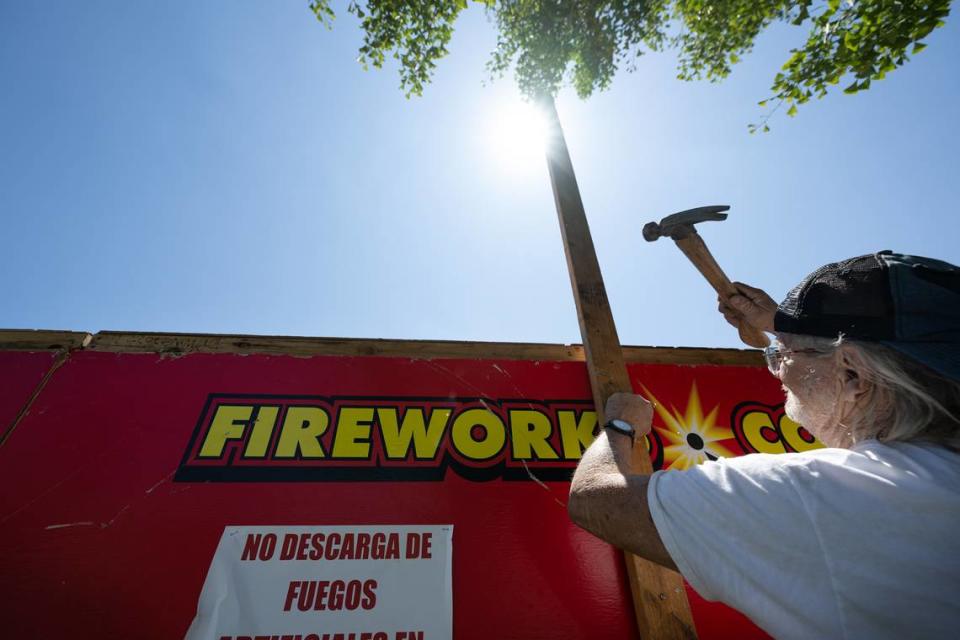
[659, 599]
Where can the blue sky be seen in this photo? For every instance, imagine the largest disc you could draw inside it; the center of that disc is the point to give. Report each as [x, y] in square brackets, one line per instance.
[228, 167]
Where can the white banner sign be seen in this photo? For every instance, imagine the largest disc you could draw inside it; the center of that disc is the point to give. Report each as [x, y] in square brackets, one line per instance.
[328, 583]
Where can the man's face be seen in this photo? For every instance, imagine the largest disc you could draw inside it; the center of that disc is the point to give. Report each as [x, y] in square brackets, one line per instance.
[812, 384]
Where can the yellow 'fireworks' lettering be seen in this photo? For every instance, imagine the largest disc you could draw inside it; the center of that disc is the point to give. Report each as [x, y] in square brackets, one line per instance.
[398, 431]
[263, 426]
[413, 431]
[352, 438]
[228, 423]
[529, 432]
[301, 431]
[495, 434]
[576, 435]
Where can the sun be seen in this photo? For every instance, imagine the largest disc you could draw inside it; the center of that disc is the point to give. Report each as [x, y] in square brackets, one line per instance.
[691, 437]
[517, 136]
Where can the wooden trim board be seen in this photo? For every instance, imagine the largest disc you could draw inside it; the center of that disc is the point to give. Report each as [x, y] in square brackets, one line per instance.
[42, 340]
[137, 342]
[144, 342]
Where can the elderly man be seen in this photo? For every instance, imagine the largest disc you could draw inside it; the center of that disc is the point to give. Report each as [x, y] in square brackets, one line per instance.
[857, 540]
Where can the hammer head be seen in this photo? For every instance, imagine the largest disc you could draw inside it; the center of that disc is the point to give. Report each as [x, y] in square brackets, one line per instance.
[680, 225]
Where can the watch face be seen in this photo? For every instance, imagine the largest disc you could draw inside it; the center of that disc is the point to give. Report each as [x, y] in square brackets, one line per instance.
[622, 426]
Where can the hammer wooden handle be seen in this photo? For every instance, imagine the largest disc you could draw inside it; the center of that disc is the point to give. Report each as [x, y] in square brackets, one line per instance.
[694, 248]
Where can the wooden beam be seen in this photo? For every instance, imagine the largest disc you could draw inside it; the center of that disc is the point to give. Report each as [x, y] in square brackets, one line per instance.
[659, 598]
[42, 340]
[184, 343]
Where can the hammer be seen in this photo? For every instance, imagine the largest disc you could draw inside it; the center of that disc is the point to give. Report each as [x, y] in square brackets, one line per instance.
[679, 226]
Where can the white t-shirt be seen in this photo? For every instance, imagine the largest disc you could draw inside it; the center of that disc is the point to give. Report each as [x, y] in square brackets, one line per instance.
[832, 543]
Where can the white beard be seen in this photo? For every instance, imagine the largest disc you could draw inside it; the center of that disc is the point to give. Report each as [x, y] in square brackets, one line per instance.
[794, 409]
[820, 420]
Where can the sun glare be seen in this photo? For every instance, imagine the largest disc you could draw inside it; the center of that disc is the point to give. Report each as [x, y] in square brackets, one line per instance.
[517, 137]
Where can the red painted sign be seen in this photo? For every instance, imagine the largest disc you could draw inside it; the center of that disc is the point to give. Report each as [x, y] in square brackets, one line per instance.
[120, 480]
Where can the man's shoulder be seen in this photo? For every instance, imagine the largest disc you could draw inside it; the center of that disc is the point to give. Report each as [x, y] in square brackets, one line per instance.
[865, 454]
[762, 474]
[903, 464]
[869, 463]
[796, 469]
[782, 463]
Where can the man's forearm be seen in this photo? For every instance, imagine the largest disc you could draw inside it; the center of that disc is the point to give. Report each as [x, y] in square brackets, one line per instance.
[608, 454]
[607, 498]
[610, 501]
[603, 471]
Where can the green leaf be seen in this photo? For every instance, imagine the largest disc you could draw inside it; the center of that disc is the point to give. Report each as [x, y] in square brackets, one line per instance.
[802, 15]
[582, 43]
[792, 111]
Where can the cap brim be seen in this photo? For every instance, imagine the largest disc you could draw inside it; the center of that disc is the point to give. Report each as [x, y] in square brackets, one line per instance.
[942, 357]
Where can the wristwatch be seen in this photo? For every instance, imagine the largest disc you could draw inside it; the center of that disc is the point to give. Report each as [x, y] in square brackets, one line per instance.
[620, 426]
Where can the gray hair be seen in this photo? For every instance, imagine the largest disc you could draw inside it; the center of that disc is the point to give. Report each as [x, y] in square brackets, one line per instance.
[906, 401]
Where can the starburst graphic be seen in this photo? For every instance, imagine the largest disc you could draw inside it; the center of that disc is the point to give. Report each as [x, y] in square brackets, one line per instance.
[690, 438]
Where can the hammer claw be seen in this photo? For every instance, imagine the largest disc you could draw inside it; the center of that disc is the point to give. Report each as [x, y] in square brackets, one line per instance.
[679, 225]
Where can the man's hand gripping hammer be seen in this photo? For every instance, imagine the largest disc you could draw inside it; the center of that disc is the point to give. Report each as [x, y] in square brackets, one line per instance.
[679, 226]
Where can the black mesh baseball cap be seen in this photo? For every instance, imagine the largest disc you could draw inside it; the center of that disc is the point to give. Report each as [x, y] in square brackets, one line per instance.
[908, 303]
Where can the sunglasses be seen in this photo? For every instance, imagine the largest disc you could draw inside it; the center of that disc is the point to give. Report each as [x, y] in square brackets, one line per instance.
[775, 353]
